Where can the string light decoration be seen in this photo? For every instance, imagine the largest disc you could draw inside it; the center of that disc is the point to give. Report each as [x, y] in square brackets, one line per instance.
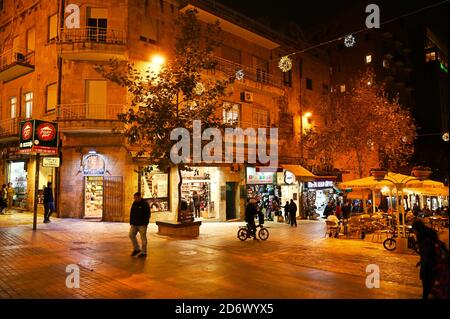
[404, 139]
[445, 137]
[349, 40]
[199, 88]
[239, 75]
[285, 64]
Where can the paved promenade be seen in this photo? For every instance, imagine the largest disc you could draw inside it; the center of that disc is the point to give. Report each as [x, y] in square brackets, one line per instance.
[293, 263]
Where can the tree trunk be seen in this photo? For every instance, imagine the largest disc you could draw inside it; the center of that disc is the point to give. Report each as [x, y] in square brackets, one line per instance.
[180, 181]
[359, 160]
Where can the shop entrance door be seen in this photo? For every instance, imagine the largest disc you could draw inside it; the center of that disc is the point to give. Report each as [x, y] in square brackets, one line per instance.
[93, 197]
[231, 200]
[113, 198]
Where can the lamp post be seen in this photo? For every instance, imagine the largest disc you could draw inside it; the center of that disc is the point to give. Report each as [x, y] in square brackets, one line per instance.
[418, 174]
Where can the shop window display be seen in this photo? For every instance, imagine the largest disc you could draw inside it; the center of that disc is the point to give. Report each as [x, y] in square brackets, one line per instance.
[155, 186]
[18, 178]
[197, 180]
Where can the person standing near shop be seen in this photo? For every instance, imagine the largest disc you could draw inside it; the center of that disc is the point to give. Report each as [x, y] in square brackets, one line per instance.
[293, 212]
[49, 203]
[10, 195]
[139, 219]
[196, 199]
[3, 198]
[286, 212]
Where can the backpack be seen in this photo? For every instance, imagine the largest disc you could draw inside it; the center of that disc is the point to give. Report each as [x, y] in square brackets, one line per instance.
[440, 288]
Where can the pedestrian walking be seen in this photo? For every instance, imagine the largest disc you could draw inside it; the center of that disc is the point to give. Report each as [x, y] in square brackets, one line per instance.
[49, 203]
[139, 219]
[433, 262]
[10, 195]
[293, 212]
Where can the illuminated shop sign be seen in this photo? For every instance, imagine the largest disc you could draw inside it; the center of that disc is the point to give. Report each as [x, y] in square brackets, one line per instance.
[320, 184]
[260, 178]
[38, 136]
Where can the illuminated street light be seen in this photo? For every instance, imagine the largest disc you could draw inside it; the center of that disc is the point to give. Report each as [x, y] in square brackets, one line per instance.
[158, 60]
[307, 115]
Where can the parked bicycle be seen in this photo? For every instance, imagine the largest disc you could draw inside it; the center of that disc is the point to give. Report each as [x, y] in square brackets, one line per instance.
[391, 243]
[244, 232]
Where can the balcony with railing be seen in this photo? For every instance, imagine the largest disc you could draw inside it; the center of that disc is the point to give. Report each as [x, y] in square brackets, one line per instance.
[92, 44]
[251, 76]
[89, 117]
[15, 63]
[9, 129]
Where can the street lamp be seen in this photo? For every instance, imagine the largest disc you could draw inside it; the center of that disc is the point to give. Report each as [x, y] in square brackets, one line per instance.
[418, 174]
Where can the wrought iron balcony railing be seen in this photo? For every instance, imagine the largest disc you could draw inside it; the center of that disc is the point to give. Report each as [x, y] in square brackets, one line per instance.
[9, 127]
[249, 73]
[16, 56]
[92, 34]
[86, 111]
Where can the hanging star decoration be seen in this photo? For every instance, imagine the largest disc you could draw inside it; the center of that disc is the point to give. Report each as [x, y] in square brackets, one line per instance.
[199, 88]
[445, 137]
[349, 40]
[239, 75]
[285, 64]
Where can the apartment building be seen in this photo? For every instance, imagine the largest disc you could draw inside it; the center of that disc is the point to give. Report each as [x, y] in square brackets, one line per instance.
[47, 72]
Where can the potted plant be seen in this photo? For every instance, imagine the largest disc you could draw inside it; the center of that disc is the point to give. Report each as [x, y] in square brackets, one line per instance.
[421, 172]
[378, 173]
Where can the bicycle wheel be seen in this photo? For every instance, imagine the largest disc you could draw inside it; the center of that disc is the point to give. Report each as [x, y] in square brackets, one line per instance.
[263, 234]
[242, 234]
[390, 244]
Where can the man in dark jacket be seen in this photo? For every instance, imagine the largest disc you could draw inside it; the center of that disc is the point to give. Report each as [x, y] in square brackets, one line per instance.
[139, 219]
[293, 213]
[250, 213]
[49, 203]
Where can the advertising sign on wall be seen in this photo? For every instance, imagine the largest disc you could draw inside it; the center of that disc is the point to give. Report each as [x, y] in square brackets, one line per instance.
[38, 136]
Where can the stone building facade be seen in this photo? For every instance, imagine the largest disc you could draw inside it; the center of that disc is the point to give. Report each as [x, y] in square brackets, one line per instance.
[47, 72]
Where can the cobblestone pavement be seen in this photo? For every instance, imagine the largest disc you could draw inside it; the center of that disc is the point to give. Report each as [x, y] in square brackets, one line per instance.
[293, 263]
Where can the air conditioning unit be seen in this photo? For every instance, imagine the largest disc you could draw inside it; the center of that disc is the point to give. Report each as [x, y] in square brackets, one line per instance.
[247, 96]
[20, 57]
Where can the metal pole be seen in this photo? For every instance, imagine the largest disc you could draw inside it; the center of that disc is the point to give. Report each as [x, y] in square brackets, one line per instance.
[36, 188]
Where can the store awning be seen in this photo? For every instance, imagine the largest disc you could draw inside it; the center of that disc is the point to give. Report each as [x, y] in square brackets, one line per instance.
[300, 172]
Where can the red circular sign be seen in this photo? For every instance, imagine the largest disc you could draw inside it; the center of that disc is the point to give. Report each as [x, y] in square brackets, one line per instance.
[27, 131]
[46, 132]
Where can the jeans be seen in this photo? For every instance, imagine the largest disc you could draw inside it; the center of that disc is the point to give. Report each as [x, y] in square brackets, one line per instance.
[197, 211]
[49, 208]
[142, 230]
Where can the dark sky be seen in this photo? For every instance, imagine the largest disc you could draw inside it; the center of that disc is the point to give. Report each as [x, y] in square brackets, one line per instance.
[311, 12]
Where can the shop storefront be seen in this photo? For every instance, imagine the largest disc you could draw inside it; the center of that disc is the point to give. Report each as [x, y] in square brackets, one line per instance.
[155, 189]
[319, 193]
[17, 175]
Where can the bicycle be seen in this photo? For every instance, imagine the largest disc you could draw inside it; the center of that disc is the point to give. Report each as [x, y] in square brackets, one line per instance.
[390, 244]
[244, 233]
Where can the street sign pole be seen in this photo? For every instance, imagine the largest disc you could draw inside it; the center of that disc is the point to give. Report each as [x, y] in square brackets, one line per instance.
[36, 191]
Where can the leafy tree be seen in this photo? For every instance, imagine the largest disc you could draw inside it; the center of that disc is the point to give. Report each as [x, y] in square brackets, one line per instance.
[173, 96]
[360, 122]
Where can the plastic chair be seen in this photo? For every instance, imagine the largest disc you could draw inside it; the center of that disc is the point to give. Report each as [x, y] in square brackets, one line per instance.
[332, 228]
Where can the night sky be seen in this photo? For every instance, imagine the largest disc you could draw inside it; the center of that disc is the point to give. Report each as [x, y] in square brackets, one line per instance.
[311, 12]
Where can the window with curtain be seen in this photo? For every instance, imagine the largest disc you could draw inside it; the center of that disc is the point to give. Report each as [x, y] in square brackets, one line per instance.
[52, 27]
[231, 112]
[13, 108]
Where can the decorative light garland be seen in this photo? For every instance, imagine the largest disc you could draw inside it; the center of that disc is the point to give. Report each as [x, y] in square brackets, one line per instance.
[349, 40]
[239, 75]
[285, 63]
[445, 137]
[199, 88]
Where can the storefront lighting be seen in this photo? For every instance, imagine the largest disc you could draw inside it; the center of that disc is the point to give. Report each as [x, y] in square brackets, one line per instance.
[307, 115]
[385, 189]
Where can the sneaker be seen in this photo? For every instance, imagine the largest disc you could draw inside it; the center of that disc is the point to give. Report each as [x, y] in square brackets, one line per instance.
[143, 255]
[135, 252]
